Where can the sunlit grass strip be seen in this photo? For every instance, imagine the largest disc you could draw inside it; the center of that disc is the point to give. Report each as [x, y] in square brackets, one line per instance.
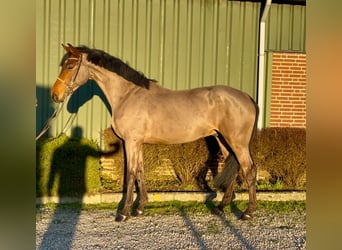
[189, 207]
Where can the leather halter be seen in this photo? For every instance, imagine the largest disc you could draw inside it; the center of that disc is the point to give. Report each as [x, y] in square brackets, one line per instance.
[70, 89]
[71, 85]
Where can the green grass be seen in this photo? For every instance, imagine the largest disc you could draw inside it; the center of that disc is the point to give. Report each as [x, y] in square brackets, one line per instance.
[188, 207]
[267, 186]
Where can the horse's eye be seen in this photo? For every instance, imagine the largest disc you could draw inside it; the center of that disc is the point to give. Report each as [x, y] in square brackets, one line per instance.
[70, 65]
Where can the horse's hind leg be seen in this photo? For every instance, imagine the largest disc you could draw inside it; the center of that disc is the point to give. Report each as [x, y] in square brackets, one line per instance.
[226, 199]
[249, 175]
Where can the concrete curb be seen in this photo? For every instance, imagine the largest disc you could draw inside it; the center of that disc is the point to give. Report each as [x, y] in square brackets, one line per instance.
[169, 196]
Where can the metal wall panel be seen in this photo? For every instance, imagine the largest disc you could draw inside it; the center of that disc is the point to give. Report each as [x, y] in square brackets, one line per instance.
[180, 43]
[286, 28]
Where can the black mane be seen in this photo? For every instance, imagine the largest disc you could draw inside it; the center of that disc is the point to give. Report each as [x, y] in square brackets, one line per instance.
[103, 59]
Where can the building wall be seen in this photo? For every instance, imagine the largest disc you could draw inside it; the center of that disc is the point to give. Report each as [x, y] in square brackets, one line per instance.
[182, 44]
[288, 91]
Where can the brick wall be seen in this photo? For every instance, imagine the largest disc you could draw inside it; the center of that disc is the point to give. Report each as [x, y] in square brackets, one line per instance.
[288, 94]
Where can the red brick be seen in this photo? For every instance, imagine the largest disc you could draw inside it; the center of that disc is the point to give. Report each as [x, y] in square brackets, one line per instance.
[286, 88]
[283, 67]
[288, 92]
[294, 99]
[298, 86]
[301, 106]
[295, 75]
[284, 98]
[292, 56]
[287, 106]
[282, 124]
[276, 56]
[288, 62]
[294, 109]
[276, 84]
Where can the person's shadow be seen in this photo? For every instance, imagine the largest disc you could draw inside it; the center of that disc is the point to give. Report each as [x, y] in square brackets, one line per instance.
[68, 169]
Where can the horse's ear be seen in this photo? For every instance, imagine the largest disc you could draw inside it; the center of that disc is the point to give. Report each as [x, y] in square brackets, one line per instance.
[65, 47]
[69, 48]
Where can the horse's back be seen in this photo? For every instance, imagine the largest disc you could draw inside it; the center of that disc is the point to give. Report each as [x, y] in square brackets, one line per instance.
[231, 92]
[231, 98]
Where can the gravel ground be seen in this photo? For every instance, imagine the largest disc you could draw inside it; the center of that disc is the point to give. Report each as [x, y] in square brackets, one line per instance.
[68, 228]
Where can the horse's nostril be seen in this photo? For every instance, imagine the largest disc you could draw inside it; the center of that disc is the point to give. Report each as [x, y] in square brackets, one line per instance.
[55, 97]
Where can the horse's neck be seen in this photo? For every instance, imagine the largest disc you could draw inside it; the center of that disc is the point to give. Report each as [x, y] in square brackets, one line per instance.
[116, 87]
[112, 85]
[156, 87]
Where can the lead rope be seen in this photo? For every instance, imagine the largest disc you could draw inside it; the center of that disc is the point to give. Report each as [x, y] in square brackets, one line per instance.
[50, 120]
[60, 105]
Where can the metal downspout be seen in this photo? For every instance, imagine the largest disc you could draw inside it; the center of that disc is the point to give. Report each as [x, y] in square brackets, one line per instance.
[261, 70]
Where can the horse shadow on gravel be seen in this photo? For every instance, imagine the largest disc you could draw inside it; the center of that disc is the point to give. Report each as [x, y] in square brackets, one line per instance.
[226, 224]
[236, 232]
[195, 233]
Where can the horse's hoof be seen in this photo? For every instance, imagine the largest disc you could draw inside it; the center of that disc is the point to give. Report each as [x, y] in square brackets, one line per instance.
[210, 196]
[218, 212]
[137, 213]
[120, 217]
[246, 216]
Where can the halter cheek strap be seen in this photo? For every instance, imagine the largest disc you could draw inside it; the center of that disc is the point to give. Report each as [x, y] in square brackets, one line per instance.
[71, 86]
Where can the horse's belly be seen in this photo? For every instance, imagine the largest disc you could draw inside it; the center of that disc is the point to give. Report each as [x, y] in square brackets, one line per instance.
[177, 133]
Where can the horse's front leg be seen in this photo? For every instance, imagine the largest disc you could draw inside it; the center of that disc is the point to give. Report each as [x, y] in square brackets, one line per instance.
[143, 198]
[134, 153]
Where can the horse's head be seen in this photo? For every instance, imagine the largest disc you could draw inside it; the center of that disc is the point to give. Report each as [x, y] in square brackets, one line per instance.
[73, 74]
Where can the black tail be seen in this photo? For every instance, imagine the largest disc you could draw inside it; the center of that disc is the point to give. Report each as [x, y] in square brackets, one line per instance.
[231, 167]
[228, 174]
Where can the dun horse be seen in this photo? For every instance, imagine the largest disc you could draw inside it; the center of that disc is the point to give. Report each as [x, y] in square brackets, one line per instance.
[145, 112]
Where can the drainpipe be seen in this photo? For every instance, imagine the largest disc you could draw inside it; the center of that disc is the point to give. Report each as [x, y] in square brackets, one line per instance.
[261, 70]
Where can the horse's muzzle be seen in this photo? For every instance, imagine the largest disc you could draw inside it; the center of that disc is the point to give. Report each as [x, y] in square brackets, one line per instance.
[55, 98]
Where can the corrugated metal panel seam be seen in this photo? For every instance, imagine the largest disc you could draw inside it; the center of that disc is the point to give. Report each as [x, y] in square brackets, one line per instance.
[183, 44]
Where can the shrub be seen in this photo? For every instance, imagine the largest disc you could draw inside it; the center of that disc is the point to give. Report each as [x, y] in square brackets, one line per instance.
[67, 166]
[186, 160]
[112, 162]
[281, 152]
[166, 166]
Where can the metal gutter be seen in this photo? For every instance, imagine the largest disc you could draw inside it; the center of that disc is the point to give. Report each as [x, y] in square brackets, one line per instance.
[261, 70]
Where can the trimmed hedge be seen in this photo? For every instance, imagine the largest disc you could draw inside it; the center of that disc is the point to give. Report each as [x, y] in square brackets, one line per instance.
[278, 153]
[68, 166]
[167, 167]
[282, 153]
